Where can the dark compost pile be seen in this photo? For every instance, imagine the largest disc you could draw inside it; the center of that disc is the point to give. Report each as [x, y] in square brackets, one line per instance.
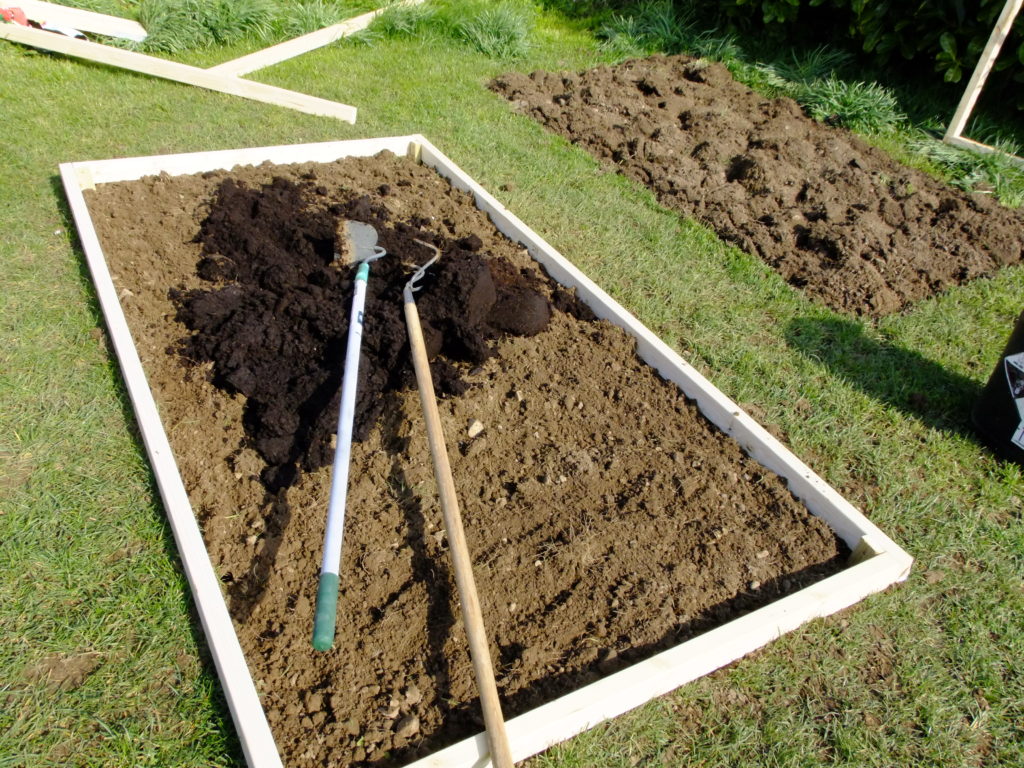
[275, 320]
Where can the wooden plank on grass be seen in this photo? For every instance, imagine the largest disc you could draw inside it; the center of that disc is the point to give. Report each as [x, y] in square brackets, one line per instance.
[181, 73]
[299, 45]
[964, 143]
[86, 21]
[954, 134]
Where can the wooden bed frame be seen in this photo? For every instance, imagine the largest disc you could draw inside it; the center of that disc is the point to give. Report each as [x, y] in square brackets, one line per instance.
[876, 562]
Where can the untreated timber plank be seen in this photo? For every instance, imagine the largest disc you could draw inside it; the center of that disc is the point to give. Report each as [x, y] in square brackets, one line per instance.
[242, 697]
[299, 45]
[964, 143]
[86, 21]
[181, 73]
[988, 58]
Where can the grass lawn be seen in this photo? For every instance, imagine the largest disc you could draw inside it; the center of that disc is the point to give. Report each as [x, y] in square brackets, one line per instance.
[101, 663]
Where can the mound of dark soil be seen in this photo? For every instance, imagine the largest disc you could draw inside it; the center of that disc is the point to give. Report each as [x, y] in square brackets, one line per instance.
[832, 215]
[275, 321]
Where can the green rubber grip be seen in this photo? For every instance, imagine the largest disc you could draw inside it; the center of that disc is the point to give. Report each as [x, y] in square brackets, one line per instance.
[326, 612]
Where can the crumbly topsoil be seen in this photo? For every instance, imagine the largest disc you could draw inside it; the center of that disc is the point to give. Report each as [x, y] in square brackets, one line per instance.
[606, 518]
[835, 217]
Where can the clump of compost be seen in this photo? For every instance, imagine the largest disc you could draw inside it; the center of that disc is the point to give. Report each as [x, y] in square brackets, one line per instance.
[274, 320]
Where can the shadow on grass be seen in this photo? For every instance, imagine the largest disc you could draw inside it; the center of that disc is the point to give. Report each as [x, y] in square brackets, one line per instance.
[217, 701]
[895, 376]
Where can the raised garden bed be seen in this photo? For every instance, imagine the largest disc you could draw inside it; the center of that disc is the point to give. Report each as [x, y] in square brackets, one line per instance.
[631, 527]
[835, 217]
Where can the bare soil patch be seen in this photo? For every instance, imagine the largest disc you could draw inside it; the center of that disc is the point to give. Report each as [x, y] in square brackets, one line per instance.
[607, 518]
[834, 216]
[64, 672]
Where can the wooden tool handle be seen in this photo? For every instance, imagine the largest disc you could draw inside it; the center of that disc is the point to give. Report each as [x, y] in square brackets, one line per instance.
[501, 756]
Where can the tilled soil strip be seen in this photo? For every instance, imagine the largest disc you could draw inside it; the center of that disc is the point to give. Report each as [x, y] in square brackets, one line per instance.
[833, 216]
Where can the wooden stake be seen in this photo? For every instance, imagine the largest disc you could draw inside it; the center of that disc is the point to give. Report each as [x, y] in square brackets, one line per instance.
[275, 54]
[988, 58]
[497, 738]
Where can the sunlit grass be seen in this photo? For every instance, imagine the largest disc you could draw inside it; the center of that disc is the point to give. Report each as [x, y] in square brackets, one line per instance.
[498, 30]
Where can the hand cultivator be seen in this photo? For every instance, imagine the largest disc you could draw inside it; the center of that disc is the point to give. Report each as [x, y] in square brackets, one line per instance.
[501, 756]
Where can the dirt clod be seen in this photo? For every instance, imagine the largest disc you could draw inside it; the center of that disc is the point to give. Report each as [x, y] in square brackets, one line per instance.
[64, 672]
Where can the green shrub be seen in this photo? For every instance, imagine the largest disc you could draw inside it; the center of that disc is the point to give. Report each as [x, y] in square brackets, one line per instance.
[817, 64]
[232, 20]
[795, 76]
[864, 107]
[947, 35]
[502, 32]
[623, 38]
[307, 16]
[402, 21]
[665, 27]
[499, 30]
[178, 25]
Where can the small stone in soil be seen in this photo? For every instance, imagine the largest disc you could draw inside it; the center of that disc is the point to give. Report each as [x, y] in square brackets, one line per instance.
[475, 428]
[407, 727]
[413, 696]
[475, 447]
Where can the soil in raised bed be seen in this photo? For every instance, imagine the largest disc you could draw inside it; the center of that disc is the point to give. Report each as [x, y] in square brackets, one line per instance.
[834, 216]
[606, 517]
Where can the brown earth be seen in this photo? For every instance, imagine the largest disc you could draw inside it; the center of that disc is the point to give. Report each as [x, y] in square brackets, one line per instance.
[835, 217]
[607, 518]
[271, 323]
[64, 672]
